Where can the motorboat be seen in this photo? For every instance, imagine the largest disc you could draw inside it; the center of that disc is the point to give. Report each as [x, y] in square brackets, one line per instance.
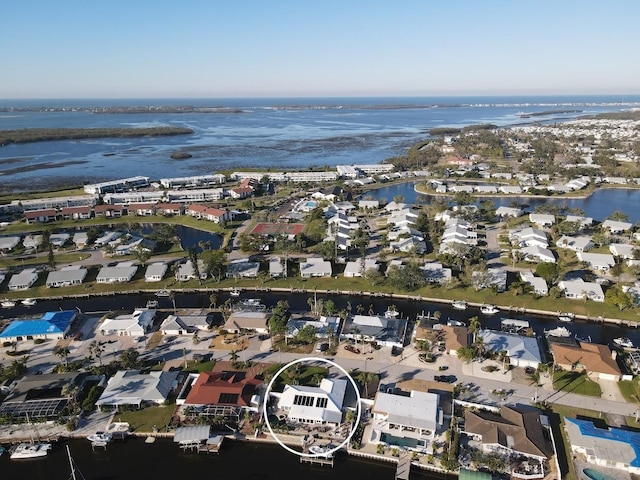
[7, 303]
[100, 437]
[455, 323]
[234, 292]
[489, 309]
[152, 303]
[566, 317]
[163, 293]
[321, 450]
[391, 313]
[459, 304]
[29, 302]
[623, 342]
[513, 325]
[30, 450]
[560, 332]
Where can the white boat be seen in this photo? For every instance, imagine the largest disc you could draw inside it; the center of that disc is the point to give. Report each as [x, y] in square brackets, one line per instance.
[455, 323]
[562, 332]
[623, 342]
[100, 437]
[30, 450]
[489, 309]
[152, 303]
[391, 313]
[7, 303]
[163, 293]
[28, 302]
[566, 317]
[321, 450]
[234, 292]
[459, 304]
[513, 325]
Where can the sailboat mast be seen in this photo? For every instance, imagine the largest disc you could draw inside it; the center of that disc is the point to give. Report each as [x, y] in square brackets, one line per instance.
[73, 470]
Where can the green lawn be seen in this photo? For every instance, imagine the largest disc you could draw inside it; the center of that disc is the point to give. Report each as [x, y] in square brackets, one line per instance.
[630, 390]
[144, 420]
[575, 382]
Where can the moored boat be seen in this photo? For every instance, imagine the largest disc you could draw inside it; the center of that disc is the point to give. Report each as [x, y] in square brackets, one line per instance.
[321, 450]
[459, 304]
[100, 437]
[30, 450]
[455, 323]
[623, 342]
[562, 332]
[234, 292]
[29, 302]
[7, 303]
[566, 317]
[489, 309]
[163, 293]
[152, 303]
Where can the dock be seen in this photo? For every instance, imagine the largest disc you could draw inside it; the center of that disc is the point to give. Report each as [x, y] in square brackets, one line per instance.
[322, 461]
[404, 467]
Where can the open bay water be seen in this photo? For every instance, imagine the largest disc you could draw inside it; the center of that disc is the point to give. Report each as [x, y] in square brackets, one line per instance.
[277, 133]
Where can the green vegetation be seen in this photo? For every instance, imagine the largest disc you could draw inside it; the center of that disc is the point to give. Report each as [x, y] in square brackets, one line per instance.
[575, 382]
[29, 135]
[630, 389]
[146, 419]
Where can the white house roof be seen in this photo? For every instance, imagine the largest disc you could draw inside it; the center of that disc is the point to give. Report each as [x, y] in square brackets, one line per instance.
[67, 275]
[517, 346]
[622, 250]
[574, 243]
[315, 266]
[157, 269]
[332, 389]
[542, 254]
[419, 410]
[130, 387]
[117, 272]
[615, 226]
[578, 288]
[8, 243]
[25, 278]
[600, 261]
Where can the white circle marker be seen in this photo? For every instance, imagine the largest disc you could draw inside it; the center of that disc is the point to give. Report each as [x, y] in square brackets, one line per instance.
[266, 401]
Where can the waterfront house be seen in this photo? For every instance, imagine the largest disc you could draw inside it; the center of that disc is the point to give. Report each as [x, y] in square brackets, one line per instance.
[226, 393]
[155, 272]
[597, 261]
[276, 267]
[455, 338]
[66, 276]
[510, 189]
[42, 396]
[107, 238]
[121, 273]
[580, 290]
[616, 227]
[80, 239]
[597, 360]
[582, 222]
[576, 244]
[322, 405]
[51, 325]
[385, 331]
[435, 272]
[359, 268]
[135, 324]
[23, 280]
[247, 320]
[186, 272]
[518, 430]
[169, 209]
[542, 220]
[538, 284]
[59, 239]
[315, 267]
[325, 326]
[202, 212]
[490, 278]
[369, 204]
[242, 268]
[509, 212]
[127, 245]
[131, 388]
[186, 323]
[522, 351]
[406, 421]
[604, 446]
[142, 209]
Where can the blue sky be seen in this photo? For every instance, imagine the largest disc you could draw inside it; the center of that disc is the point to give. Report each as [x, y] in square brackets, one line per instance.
[253, 48]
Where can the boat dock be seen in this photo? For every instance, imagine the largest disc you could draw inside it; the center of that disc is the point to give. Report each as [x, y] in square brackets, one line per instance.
[318, 460]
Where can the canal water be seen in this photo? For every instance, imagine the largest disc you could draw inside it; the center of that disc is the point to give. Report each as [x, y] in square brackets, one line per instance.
[135, 460]
[598, 332]
[599, 205]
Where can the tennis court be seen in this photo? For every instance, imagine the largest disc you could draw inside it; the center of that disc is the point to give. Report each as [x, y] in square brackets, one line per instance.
[273, 229]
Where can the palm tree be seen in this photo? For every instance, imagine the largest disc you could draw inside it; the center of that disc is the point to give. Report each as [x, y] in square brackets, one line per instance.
[365, 378]
[96, 349]
[359, 309]
[63, 353]
[213, 300]
[233, 355]
[474, 326]
[172, 297]
[317, 378]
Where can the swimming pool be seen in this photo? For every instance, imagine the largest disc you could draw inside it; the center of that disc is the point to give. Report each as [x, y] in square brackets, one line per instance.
[402, 441]
[596, 475]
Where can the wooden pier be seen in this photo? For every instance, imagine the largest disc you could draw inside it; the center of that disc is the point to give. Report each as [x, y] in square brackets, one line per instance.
[322, 461]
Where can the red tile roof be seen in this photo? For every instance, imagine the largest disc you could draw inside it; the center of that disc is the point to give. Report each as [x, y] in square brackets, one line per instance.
[218, 388]
[72, 210]
[49, 212]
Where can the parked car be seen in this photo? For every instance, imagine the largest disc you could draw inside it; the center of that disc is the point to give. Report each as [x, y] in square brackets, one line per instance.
[322, 347]
[395, 351]
[352, 349]
[445, 378]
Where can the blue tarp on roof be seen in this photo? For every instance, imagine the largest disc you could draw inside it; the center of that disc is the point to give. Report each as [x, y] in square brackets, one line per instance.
[50, 323]
[588, 429]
